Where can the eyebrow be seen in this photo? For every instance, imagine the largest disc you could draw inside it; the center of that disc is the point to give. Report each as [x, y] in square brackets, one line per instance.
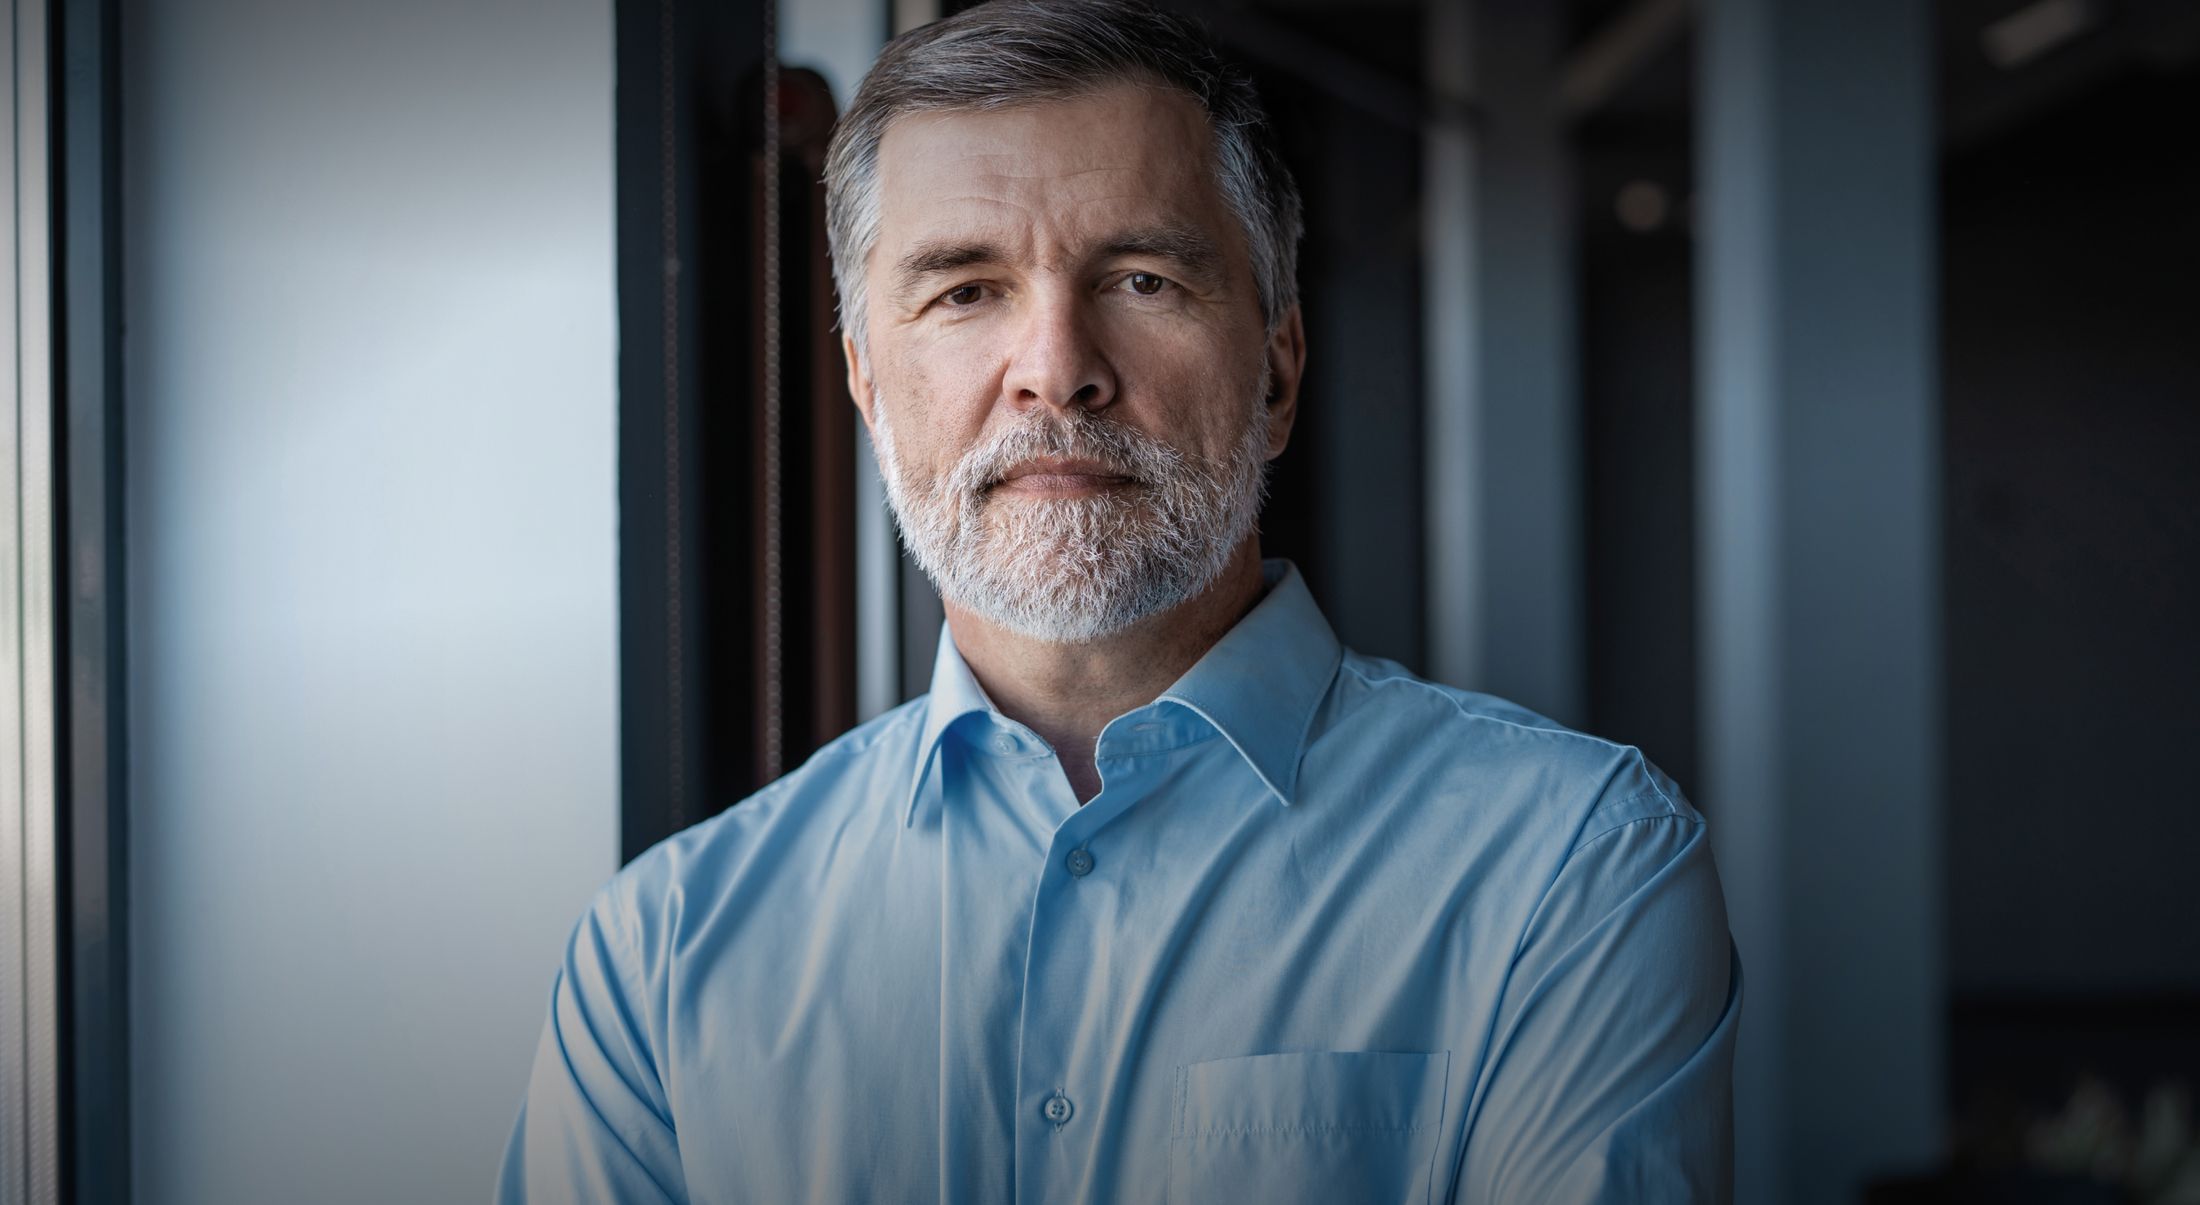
[930, 259]
[1183, 246]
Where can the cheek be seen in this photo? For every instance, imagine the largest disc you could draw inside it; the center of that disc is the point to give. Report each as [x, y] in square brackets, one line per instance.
[1201, 400]
[935, 414]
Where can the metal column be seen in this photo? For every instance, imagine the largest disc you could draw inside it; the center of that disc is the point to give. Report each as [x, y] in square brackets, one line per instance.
[1503, 466]
[32, 1140]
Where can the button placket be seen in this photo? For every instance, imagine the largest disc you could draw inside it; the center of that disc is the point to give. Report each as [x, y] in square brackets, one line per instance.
[1058, 984]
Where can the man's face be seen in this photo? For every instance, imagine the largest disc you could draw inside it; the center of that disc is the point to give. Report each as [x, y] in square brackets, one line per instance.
[1069, 380]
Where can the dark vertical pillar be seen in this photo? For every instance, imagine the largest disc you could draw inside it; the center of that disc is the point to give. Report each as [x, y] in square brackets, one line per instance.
[670, 53]
[94, 765]
[1819, 592]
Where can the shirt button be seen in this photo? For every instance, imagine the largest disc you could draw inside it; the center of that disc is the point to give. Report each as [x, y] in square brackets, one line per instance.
[1080, 862]
[1004, 744]
[1058, 1108]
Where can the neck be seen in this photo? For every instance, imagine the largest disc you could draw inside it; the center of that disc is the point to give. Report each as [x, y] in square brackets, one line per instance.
[1068, 692]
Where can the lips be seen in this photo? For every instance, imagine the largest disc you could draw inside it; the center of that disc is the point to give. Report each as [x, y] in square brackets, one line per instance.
[1065, 468]
[1061, 477]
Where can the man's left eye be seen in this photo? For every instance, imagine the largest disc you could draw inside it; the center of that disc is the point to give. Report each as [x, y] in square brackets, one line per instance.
[1146, 284]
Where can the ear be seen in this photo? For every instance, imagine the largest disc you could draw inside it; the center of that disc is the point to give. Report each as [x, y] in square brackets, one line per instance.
[859, 379]
[1286, 353]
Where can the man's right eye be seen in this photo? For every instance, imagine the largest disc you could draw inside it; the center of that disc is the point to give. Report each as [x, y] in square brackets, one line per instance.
[963, 295]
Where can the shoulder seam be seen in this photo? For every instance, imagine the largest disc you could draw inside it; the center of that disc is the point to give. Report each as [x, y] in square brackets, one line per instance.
[852, 743]
[882, 723]
[1650, 776]
[1445, 693]
[1589, 838]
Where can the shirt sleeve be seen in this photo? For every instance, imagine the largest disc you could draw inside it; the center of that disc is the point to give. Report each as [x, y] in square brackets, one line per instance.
[1610, 1077]
[596, 1125]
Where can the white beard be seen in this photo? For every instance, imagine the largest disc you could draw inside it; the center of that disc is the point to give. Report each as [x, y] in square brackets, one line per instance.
[1075, 570]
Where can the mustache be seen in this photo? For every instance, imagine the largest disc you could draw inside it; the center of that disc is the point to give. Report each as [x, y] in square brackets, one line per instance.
[1121, 450]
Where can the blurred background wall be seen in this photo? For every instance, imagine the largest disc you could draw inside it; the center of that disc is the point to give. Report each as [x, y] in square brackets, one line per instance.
[372, 521]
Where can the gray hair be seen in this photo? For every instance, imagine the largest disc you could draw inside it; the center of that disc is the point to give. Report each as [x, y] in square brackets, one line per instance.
[1011, 52]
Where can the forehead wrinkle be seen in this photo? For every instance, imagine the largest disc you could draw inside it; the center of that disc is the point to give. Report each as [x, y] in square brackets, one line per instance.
[1069, 174]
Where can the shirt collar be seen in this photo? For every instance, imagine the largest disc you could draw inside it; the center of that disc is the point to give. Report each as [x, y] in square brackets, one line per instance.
[1258, 686]
[955, 694]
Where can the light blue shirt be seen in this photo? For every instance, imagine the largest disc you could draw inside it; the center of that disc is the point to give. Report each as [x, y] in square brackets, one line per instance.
[1328, 933]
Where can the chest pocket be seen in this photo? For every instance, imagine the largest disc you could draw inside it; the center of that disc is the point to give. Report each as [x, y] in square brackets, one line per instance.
[1330, 1126]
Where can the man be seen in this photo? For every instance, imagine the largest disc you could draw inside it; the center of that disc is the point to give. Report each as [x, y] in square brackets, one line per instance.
[1159, 895]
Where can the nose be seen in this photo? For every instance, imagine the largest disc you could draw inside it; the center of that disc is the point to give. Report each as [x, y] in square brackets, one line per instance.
[1057, 362]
